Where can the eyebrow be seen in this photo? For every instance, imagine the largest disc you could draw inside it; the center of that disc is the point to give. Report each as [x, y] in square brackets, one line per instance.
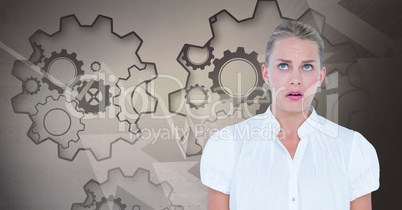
[309, 61]
[289, 61]
[283, 60]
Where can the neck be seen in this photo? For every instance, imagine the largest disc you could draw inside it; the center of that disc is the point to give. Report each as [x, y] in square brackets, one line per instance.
[290, 121]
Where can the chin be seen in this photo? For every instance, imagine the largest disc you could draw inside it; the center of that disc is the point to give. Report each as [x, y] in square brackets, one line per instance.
[294, 107]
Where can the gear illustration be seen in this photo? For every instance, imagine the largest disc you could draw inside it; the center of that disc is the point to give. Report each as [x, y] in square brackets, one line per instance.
[197, 96]
[90, 200]
[91, 189]
[128, 192]
[38, 53]
[77, 70]
[96, 66]
[57, 120]
[197, 57]
[134, 98]
[33, 90]
[264, 102]
[62, 70]
[226, 67]
[31, 85]
[93, 96]
[110, 203]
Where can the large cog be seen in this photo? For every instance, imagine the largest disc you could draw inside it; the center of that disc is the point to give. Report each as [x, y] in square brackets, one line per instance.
[58, 121]
[62, 70]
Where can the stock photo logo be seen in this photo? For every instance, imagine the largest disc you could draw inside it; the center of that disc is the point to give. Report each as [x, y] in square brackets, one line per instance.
[79, 93]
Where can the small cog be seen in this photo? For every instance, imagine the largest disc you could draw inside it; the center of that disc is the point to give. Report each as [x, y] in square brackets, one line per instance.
[110, 203]
[31, 85]
[197, 57]
[62, 70]
[93, 96]
[197, 96]
[57, 120]
[96, 66]
[236, 66]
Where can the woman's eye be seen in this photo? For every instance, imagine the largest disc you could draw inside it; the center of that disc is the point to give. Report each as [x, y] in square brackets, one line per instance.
[307, 67]
[283, 66]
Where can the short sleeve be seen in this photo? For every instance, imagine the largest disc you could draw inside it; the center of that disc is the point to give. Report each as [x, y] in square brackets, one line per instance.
[363, 169]
[217, 161]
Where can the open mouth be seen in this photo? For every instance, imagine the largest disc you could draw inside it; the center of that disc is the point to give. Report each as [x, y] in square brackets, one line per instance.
[294, 95]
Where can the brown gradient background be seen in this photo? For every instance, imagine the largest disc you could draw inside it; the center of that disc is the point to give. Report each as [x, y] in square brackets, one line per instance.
[34, 177]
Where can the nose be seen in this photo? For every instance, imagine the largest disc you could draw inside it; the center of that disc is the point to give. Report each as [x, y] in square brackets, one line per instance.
[295, 78]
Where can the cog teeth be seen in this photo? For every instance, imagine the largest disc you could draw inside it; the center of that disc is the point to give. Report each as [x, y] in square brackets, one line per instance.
[65, 144]
[32, 131]
[241, 50]
[67, 22]
[121, 117]
[226, 53]
[102, 22]
[211, 74]
[38, 35]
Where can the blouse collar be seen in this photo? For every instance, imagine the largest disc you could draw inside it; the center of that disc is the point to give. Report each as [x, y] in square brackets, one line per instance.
[314, 122]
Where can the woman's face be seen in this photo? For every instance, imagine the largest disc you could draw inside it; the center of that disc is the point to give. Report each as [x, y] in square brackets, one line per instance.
[293, 73]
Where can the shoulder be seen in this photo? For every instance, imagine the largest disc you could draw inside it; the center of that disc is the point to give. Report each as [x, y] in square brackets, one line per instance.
[348, 141]
[334, 131]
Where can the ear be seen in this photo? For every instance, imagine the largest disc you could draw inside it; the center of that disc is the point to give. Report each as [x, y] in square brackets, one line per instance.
[323, 72]
[264, 72]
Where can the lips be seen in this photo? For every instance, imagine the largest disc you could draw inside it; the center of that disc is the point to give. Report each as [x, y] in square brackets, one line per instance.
[294, 95]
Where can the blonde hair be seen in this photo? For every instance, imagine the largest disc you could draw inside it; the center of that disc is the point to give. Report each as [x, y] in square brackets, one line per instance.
[298, 30]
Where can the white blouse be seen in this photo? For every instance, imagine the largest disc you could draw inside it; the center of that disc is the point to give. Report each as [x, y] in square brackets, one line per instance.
[332, 165]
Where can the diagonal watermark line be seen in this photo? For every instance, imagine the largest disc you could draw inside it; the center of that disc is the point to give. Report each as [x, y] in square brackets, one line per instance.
[12, 52]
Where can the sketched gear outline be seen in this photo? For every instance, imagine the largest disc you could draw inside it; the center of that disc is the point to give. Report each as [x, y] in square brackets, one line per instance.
[66, 56]
[85, 102]
[133, 84]
[116, 201]
[206, 62]
[57, 104]
[220, 64]
[31, 85]
[195, 88]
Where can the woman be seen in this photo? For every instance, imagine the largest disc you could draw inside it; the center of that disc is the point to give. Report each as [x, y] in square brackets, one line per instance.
[289, 157]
